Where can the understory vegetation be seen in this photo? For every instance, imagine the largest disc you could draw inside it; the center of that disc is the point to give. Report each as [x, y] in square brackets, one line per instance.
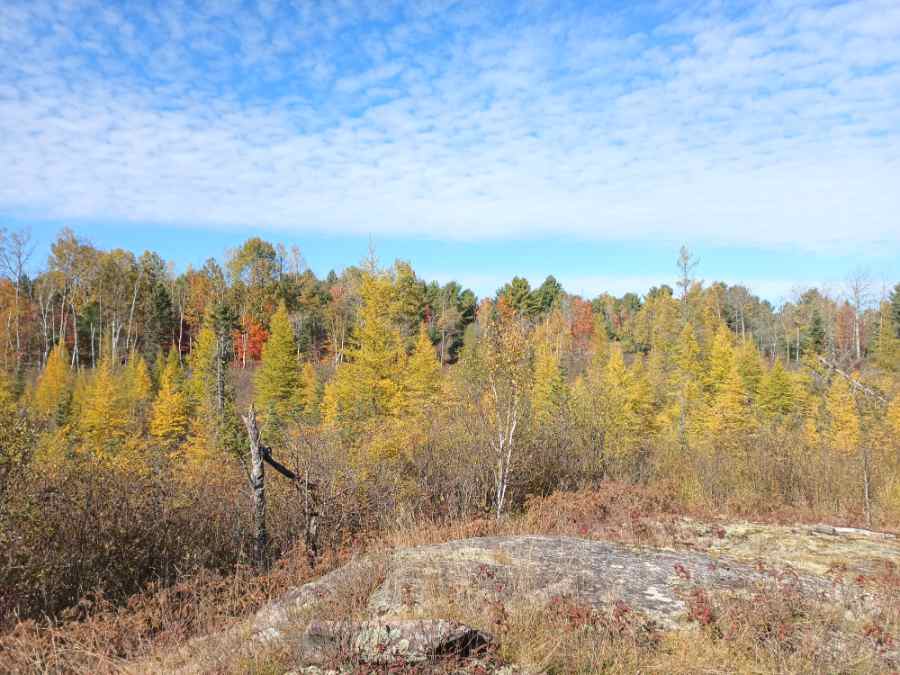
[408, 411]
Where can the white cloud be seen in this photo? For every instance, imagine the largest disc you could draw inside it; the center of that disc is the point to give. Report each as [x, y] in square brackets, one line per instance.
[781, 125]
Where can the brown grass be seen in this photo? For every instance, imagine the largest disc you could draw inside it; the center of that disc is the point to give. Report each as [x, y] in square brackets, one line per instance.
[774, 629]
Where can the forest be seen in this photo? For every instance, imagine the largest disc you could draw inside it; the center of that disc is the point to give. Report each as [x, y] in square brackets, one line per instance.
[397, 400]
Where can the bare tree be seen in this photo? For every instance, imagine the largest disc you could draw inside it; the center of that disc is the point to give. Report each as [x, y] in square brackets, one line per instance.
[859, 287]
[256, 474]
[506, 361]
[16, 250]
[687, 263]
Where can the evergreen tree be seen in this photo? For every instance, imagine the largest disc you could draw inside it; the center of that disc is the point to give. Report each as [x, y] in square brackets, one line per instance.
[887, 347]
[816, 336]
[895, 309]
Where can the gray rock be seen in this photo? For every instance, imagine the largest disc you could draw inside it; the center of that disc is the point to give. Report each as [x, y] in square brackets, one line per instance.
[381, 642]
[528, 569]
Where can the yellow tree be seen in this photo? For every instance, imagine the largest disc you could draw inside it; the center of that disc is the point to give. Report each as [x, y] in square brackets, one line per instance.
[171, 409]
[52, 395]
[610, 405]
[687, 386]
[618, 408]
[777, 396]
[729, 419]
[366, 384]
[505, 356]
[16, 439]
[138, 391]
[721, 360]
[893, 417]
[309, 387]
[599, 345]
[201, 390]
[421, 382]
[749, 364]
[104, 416]
[201, 385]
[844, 428]
[549, 390]
[278, 381]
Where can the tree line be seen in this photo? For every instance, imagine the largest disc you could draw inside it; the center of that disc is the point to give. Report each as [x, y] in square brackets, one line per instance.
[393, 395]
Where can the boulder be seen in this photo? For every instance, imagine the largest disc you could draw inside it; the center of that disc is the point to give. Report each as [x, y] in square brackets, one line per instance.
[421, 581]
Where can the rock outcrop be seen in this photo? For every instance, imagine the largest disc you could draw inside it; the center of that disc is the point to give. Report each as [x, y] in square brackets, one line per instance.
[418, 583]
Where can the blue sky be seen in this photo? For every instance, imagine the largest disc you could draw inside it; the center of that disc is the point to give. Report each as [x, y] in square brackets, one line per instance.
[477, 140]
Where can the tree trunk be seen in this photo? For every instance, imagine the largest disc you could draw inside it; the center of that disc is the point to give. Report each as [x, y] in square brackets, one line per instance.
[258, 492]
[867, 504]
[75, 355]
[220, 375]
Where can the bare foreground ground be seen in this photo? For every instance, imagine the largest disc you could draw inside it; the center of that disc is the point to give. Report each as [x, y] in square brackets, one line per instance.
[801, 598]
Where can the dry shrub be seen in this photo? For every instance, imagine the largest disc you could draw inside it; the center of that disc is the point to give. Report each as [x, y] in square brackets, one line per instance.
[87, 529]
[99, 635]
[612, 510]
[781, 628]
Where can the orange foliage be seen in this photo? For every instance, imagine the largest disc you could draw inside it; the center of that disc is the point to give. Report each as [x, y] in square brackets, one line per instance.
[249, 340]
[582, 324]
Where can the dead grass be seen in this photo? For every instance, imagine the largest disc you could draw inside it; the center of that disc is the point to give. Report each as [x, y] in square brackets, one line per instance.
[772, 630]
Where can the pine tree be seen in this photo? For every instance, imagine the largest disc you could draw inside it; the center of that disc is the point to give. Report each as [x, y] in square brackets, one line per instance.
[887, 347]
[53, 394]
[169, 423]
[895, 309]
[844, 423]
[279, 393]
[816, 334]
